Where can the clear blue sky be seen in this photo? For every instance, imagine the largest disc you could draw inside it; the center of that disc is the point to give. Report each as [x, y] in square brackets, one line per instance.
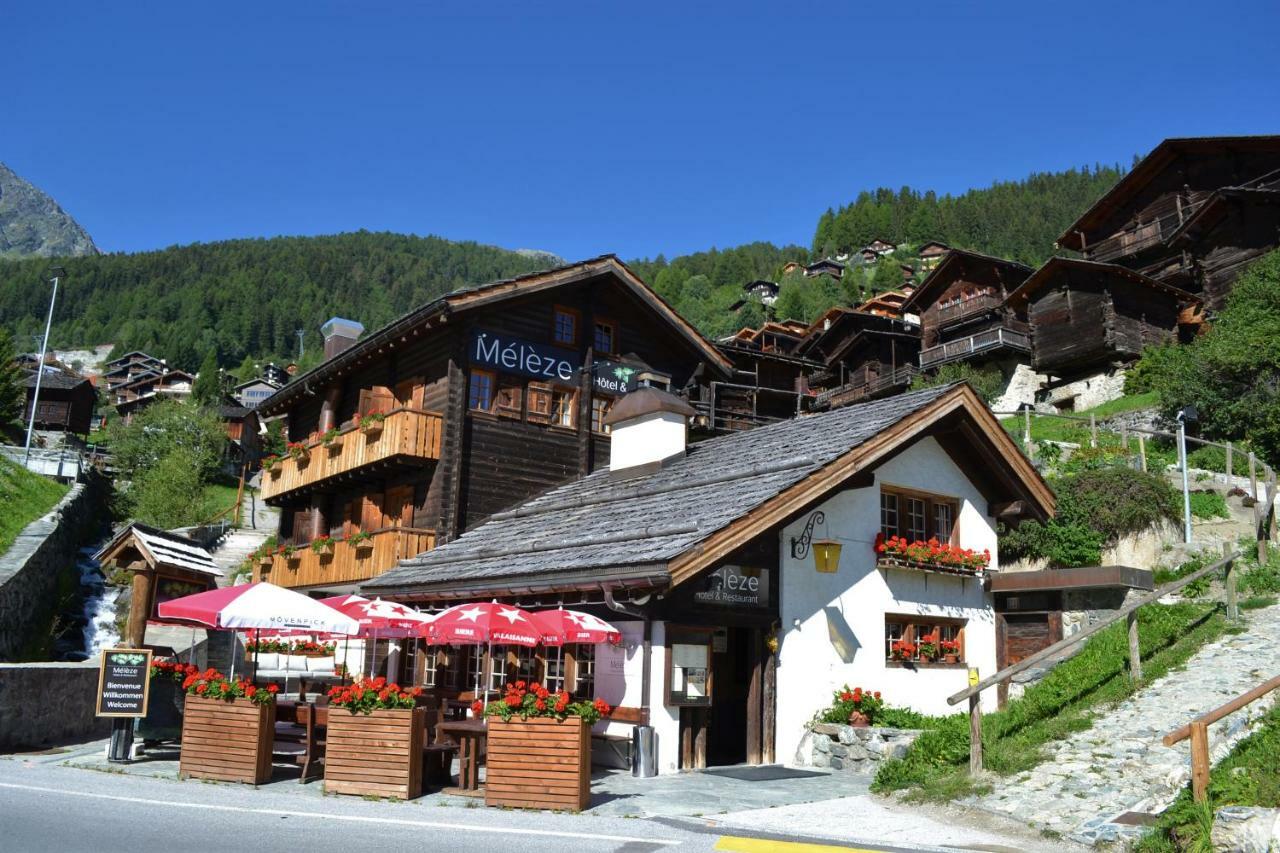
[633, 128]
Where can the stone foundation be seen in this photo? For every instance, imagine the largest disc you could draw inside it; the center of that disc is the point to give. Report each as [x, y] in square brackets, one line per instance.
[1085, 393]
[45, 704]
[854, 749]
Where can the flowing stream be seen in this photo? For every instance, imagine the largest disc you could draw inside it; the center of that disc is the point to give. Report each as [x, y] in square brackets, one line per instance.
[99, 603]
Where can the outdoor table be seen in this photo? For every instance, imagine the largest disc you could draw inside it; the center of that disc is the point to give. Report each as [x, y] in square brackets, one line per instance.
[470, 735]
[457, 708]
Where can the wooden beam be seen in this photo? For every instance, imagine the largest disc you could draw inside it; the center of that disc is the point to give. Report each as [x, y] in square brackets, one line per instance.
[1007, 508]
[1199, 761]
[975, 735]
[1135, 653]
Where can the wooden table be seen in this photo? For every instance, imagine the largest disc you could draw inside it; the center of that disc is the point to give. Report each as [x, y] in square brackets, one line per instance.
[470, 736]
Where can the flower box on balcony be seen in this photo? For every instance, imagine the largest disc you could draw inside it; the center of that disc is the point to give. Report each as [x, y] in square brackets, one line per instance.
[930, 556]
[538, 763]
[924, 566]
[227, 740]
[372, 430]
[378, 754]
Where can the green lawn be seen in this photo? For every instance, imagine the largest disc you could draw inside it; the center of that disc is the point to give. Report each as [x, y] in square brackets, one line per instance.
[1061, 429]
[1249, 776]
[217, 497]
[1014, 739]
[24, 497]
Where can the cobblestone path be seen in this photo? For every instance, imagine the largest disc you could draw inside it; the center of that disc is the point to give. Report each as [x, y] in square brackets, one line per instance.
[1119, 765]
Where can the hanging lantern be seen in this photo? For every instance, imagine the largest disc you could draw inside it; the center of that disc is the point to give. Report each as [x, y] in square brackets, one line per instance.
[826, 555]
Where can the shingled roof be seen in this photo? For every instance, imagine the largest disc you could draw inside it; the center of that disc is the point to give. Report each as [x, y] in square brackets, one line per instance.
[602, 528]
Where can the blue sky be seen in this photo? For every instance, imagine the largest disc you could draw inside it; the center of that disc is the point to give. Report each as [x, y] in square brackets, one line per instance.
[632, 128]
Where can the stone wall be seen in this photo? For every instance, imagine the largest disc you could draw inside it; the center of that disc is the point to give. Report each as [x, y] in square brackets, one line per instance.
[29, 570]
[1083, 607]
[45, 704]
[1084, 393]
[859, 750]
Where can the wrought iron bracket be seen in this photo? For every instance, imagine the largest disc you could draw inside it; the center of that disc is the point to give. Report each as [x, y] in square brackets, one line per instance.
[800, 544]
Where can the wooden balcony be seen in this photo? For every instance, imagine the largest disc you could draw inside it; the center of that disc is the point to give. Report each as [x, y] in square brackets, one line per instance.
[990, 340]
[966, 308]
[865, 385]
[347, 563]
[406, 434]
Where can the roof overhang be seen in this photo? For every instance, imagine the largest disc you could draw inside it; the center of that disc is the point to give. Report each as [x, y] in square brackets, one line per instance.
[654, 576]
[1089, 577]
[443, 309]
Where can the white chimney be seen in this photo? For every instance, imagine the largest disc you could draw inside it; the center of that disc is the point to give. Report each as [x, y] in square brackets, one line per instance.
[647, 426]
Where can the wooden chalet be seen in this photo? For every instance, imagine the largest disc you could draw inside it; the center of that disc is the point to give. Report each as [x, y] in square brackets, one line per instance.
[792, 266]
[1086, 315]
[1191, 214]
[244, 444]
[867, 355]
[147, 388]
[253, 392]
[769, 382]
[880, 247]
[765, 291]
[424, 428]
[827, 267]
[66, 402]
[931, 254]
[963, 314]
[886, 304]
[130, 367]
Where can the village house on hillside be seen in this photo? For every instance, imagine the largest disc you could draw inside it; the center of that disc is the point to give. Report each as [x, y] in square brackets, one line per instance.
[407, 437]
[152, 384]
[769, 381]
[827, 267]
[749, 573]
[931, 254]
[1191, 214]
[66, 401]
[867, 355]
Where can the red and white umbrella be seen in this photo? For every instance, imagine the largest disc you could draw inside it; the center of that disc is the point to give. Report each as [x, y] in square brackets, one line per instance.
[258, 605]
[484, 623]
[380, 618]
[561, 627]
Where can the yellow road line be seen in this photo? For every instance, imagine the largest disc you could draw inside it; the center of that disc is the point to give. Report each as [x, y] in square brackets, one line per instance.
[735, 844]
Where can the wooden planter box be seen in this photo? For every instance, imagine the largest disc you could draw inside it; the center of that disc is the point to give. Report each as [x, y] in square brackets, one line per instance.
[227, 741]
[378, 754]
[372, 430]
[539, 763]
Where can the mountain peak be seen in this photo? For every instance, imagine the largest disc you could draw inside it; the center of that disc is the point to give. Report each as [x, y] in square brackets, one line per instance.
[33, 225]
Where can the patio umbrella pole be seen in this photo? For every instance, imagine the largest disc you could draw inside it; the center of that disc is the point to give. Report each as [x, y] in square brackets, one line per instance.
[191, 649]
[233, 655]
[257, 644]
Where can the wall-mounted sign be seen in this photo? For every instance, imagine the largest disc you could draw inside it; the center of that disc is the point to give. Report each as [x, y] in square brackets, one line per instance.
[612, 377]
[513, 355]
[688, 674]
[735, 586]
[124, 683]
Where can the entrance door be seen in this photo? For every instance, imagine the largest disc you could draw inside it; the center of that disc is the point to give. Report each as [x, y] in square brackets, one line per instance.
[1027, 633]
[732, 660]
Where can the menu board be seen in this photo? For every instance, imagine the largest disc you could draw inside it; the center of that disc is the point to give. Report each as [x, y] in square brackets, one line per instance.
[124, 683]
[689, 671]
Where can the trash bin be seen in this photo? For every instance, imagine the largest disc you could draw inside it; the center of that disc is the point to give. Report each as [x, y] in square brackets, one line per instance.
[644, 751]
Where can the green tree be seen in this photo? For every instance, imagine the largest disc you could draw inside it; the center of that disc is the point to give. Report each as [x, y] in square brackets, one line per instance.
[887, 276]
[167, 494]
[207, 389]
[13, 393]
[164, 429]
[986, 380]
[1231, 374]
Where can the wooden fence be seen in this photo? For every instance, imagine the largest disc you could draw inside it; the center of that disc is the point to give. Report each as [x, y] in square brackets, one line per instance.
[1198, 731]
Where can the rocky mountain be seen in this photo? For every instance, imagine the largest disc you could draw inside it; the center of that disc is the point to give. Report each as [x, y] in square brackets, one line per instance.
[33, 225]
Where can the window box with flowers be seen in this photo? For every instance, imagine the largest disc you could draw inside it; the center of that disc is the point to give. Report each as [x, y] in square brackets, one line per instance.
[290, 553]
[371, 424]
[930, 555]
[374, 740]
[359, 540]
[919, 641]
[527, 718]
[271, 464]
[322, 545]
[299, 452]
[331, 440]
[227, 729]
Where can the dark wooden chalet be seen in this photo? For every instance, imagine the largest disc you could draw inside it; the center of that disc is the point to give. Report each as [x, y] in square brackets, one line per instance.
[962, 310]
[149, 387]
[244, 444]
[66, 401]
[886, 304]
[130, 367]
[867, 355]
[769, 384]
[1148, 220]
[931, 254]
[1086, 315]
[881, 247]
[826, 267]
[461, 408]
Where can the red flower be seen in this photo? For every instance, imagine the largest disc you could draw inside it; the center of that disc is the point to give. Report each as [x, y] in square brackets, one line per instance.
[477, 707]
[273, 689]
[540, 705]
[202, 689]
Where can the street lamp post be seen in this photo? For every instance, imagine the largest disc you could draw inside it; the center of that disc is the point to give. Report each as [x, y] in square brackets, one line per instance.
[1187, 415]
[58, 272]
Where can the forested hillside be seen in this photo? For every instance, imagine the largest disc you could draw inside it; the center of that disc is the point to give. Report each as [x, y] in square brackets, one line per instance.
[244, 297]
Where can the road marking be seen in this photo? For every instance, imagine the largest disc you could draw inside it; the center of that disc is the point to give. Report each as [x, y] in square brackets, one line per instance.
[428, 824]
[736, 844]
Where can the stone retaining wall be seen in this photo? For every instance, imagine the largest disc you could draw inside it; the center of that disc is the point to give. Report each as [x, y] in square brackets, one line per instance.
[855, 749]
[29, 570]
[44, 704]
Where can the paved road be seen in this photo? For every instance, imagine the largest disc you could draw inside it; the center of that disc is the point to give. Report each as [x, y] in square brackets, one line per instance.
[45, 807]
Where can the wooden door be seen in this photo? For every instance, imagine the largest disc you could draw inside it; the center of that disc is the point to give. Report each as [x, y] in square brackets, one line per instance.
[371, 515]
[410, 393]
[398, 509]
[1026, 634]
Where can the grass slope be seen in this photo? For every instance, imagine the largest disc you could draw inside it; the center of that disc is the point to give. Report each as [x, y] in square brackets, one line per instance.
[24, 497]
[1064, 701]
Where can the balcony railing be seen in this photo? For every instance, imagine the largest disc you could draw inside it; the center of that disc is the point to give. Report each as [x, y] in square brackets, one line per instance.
[409, 433]
[864, 386]
[967, 308]
[962, 348]
[346, 563]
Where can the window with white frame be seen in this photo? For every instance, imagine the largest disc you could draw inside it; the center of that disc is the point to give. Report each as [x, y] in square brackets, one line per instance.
[554, 667]
[584, 671]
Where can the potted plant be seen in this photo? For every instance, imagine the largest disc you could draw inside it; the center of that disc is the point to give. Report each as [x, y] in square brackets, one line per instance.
[539, 748]
[290, 553]
[931, 554]
[359, 540]
[299, 451]
[271, 464]
[227, 729]
[903, 650]
[929, 650]
[852, 706]
[374, 740]
[312, 649]
[950, 651]
[371, 424]
[330, 440]
[164, 707]
[322, 545]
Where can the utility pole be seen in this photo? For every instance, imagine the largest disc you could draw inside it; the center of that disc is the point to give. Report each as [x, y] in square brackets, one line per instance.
[58, 272]
[1188, 415]
[300, 333]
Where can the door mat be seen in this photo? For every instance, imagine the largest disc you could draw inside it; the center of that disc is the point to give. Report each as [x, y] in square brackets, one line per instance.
[763, 773]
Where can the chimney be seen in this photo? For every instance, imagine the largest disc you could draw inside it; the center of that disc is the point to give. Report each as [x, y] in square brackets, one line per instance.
[339, 335]
[647, 427]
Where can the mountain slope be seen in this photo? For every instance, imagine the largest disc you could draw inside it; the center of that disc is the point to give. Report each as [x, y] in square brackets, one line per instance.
[33, 225]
